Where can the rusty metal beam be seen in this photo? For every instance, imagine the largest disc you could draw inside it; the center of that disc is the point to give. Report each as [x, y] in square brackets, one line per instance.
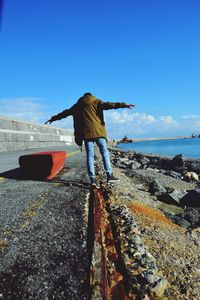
[105, 281]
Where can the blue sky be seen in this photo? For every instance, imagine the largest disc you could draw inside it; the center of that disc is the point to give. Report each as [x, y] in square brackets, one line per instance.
[144, 52]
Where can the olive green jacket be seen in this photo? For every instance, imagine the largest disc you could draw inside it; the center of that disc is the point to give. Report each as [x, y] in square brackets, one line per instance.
[88, 117]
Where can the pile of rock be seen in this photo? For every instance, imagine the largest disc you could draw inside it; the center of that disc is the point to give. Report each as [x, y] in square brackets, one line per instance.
[141, 270]
[177, 167]
[189, 200]
[156, 172]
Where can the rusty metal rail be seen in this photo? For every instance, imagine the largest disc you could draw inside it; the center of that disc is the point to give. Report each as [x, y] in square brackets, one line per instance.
[105, 280]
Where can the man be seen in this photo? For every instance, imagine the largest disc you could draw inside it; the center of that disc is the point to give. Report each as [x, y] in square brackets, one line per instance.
[89, 126]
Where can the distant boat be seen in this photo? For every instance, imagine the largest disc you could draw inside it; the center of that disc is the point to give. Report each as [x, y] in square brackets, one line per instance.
[125, 140]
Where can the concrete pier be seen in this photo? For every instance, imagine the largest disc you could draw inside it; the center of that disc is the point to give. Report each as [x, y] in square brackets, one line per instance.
[20, 135]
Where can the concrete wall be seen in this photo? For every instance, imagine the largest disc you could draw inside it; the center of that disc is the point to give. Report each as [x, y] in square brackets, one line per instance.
[20, 135]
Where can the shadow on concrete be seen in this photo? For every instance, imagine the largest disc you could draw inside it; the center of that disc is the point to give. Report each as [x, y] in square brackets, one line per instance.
[17, 174]
[77, 183]
[12, 174]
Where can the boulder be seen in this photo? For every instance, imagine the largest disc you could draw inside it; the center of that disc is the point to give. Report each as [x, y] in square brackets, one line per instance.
[162, 171]
[155, 161]
[165, 163]
[156, 188]
[191, 199]
[173, 197]
[144, 161]
[191, 176]
[192, 215]
[118, 162]
[193, 166]
[134, 165]
[179, 220]
[173, 174]
[178, 161]
[177, 195]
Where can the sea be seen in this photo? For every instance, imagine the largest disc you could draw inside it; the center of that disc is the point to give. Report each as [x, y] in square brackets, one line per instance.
[189, 148]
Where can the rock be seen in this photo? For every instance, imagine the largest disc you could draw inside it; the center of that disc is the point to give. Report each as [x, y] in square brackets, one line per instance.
[153, 169]
[178, 161]
[191, 199]
[155, 161]
[134, 165]
[156, 188]
[192, 215]
[162, 171]
[173, 174]
[191, 176]
[193, 166]
[196, 234]
[176, 195]
[139, 263]
[160, 287]
[197, 188]
[172, 196]
[131, 156]
[119, 163]
[179, 220]
[139, 155]
[144, 161]
[123, 154]
[166, 198]
[165, 163]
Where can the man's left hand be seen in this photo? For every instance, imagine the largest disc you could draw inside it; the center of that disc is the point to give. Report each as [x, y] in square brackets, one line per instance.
[130, 106]
[49, 121]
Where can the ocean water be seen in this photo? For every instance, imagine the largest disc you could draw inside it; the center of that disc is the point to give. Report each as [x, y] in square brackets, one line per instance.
[187, 147]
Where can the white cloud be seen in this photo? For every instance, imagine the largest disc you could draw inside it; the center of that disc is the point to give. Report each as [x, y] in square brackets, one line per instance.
[134, 124]
[128, 117]
[31, 109]
[197, 125]
[116, 117]
[127, 122]
[168, 120]
[24, 108]
[190, 117]
[144, 118]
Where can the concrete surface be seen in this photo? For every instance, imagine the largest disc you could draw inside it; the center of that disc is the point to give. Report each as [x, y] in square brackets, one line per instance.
[43, 231]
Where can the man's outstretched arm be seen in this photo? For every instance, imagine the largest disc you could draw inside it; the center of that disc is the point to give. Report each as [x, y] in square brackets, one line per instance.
[113, 105]
[64, 114]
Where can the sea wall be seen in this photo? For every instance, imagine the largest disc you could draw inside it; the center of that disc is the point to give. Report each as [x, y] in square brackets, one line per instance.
[21, 135]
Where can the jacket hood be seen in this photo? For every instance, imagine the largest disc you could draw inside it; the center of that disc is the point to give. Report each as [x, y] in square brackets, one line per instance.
[86, 99]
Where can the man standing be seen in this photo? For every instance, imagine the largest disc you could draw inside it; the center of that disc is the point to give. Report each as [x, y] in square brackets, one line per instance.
[89, 126]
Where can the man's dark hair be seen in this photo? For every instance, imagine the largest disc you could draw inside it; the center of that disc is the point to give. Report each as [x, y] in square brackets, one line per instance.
[87, 94]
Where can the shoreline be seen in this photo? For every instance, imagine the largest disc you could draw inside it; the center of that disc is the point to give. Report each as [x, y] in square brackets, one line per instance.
[160, 139]
[129, 147]
[114, 148]
[154, 139]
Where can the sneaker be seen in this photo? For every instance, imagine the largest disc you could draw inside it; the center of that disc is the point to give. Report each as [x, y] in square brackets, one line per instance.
[94, 182]
[112, 179]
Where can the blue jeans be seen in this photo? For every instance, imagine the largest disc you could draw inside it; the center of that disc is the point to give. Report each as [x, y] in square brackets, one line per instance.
[89, 147]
